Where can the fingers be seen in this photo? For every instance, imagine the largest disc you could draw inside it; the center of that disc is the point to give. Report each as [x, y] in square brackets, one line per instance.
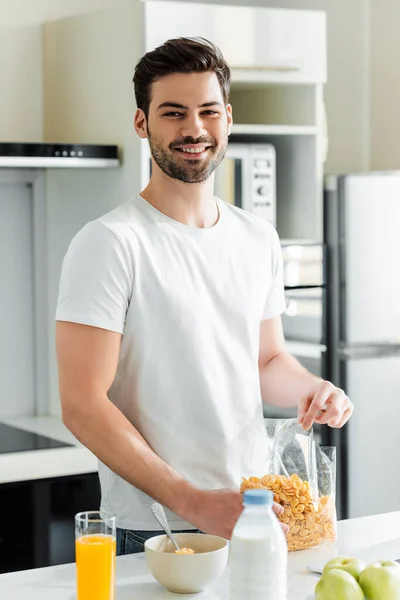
[317, 405]
[277, 508]
[346, 416]
[285, 528]
[334, 409]
[337, 413]
[329, 405]
[304, 405]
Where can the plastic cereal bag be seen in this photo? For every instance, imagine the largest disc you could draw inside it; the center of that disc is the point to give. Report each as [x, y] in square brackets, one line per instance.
[302, 475]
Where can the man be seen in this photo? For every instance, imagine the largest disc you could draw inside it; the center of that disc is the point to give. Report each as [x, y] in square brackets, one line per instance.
[169, 331]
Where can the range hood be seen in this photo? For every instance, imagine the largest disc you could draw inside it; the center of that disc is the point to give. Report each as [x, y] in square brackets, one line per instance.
[43, 155]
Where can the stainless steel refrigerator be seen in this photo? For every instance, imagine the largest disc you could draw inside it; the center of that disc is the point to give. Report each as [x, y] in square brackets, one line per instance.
[362, 240]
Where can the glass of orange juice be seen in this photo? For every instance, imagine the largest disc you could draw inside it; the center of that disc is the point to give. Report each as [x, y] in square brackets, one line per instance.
[95, 548]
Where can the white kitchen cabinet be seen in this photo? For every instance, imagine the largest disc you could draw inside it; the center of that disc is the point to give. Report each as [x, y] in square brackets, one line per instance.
[260, 44]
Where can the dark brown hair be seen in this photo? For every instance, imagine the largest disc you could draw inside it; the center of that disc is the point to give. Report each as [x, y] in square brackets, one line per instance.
[181, 55]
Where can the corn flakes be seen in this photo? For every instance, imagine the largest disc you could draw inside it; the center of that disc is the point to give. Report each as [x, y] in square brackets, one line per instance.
[310, 522]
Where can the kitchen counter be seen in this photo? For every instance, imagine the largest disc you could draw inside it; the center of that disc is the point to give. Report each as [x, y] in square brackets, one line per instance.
[48, 463]
[355, 536]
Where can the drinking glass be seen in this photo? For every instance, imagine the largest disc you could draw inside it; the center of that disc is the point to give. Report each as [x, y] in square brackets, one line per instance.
[95, 547]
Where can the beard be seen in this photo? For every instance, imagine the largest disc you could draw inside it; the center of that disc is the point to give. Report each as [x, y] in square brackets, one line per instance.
[182, 168]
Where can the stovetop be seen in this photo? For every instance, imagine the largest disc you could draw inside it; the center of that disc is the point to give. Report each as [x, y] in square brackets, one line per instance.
[13, 439]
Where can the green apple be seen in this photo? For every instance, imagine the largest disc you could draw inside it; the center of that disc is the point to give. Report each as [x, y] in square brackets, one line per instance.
[354, 566]
[381, 580]
[337, 584]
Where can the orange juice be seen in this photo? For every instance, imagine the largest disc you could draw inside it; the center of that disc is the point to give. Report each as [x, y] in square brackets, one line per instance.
[95, 567]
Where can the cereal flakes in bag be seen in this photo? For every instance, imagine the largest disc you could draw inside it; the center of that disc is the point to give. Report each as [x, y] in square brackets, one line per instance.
[301, 475]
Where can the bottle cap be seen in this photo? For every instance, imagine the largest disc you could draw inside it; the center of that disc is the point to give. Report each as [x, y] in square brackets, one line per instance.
[258, 497]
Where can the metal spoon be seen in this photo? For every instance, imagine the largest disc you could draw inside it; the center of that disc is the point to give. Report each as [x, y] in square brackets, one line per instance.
[160, 515]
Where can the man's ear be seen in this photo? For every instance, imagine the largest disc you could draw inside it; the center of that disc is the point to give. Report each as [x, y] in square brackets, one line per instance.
[140, 123]
[230, 118]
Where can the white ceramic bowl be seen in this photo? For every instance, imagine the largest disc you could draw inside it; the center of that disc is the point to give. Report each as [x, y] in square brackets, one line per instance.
[187, 573]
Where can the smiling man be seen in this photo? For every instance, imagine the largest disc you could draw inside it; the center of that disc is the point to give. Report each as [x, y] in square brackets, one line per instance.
[169, 332]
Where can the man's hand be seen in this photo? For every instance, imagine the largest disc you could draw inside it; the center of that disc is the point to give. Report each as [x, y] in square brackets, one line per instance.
[216, 512]
[326, 404]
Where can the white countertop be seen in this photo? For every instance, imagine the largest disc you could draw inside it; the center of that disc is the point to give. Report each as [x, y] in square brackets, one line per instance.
[356, 536]
[43, 464]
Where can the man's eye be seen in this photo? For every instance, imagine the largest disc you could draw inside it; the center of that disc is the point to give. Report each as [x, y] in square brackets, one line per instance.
[210, 112]
[173, 114]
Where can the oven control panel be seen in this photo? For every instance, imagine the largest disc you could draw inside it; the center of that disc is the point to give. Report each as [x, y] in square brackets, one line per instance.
[263, 181]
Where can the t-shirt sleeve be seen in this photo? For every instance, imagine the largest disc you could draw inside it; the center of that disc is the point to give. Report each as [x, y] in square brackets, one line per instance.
[275, 303]
[96, 280]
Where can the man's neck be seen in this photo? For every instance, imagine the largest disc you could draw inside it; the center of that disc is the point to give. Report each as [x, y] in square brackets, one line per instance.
[192, 204]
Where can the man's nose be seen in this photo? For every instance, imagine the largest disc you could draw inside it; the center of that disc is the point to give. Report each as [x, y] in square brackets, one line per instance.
[193, 126]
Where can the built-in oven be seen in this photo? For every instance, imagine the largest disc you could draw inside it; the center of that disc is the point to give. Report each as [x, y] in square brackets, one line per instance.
[303, 320]
[247, 178]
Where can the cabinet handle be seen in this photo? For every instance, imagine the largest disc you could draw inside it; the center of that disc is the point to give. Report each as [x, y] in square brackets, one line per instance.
[285, 68]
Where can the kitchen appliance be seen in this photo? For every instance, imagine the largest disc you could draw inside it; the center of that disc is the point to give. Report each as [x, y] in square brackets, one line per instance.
[247, 178]
[44, 155]
[362, 217]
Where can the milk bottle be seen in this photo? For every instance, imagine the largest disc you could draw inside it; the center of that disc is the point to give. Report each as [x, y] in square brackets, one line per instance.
[258, 551]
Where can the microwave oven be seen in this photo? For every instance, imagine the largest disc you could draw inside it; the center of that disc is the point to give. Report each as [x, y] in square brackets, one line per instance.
[246, 178]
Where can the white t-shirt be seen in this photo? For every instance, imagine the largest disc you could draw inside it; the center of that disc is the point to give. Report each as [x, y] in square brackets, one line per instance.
[189, 302]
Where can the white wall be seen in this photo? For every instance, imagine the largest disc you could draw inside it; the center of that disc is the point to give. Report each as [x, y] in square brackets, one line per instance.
[21, 96]
[385, 84]
[34, 12]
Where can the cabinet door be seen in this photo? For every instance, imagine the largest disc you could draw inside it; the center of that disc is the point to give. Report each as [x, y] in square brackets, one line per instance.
[275, 45]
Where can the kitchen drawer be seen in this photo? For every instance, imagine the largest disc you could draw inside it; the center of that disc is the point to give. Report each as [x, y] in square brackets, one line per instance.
[276, 45]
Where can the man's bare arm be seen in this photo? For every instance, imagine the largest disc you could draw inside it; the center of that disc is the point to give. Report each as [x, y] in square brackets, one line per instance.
[283, 379]
[87, 362]
[285, 382]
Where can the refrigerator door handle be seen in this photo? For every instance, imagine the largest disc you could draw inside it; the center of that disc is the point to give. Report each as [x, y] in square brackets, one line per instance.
[360, 351]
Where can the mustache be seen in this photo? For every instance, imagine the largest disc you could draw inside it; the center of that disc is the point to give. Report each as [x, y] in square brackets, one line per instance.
[191, 140]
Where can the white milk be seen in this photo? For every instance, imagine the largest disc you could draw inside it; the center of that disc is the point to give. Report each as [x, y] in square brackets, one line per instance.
[258, 552]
